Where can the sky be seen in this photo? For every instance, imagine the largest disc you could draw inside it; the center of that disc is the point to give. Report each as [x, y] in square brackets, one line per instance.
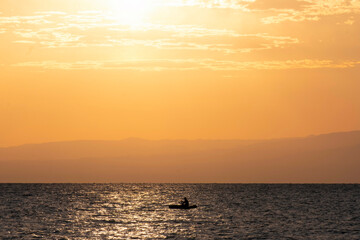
[177, 69]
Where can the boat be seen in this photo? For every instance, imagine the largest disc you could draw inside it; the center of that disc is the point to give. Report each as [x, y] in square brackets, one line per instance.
[182, 206]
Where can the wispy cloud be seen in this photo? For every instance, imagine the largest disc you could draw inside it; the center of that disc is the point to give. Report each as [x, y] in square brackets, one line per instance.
[174, 44]
[231, 4]
[186, 31]
[34, 20]
[170, 44]
[50, 13]
[50, 37]
[56, 29]
[198, 39]
[314, 10]
[350, 21]
[188, 64]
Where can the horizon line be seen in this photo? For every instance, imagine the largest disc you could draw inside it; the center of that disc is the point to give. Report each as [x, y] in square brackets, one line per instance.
[244, 183]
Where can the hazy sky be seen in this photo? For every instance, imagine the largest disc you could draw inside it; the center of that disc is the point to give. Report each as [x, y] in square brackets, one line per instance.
[222, 69]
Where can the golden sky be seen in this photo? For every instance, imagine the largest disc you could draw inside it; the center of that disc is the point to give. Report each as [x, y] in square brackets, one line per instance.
[170, 69]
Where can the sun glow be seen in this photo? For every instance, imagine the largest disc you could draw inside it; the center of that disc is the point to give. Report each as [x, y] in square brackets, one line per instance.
[132, 12]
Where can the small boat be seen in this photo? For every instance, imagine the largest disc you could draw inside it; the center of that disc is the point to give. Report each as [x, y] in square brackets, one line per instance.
[182, 206]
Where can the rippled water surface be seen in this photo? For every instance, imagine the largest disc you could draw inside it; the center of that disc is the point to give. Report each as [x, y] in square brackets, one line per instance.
[140, 211]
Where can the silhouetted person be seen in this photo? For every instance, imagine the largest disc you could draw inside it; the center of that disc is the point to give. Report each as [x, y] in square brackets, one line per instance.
[185, 202]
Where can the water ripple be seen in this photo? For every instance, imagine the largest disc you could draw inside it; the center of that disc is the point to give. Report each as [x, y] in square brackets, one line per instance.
[140, 211]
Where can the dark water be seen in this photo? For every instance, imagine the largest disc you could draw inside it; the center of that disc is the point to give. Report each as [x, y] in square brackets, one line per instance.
[139, 211]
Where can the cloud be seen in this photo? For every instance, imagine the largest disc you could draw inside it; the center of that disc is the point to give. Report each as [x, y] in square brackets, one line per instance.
[53, 29]
[188, 64]
[49, 37]
[49, 13]
[58, 30]
[175, 44]
[185, 31]
[34, 20]
[170, 44]
[281, 65]
[350, 21]
[314, 10]
[25, 41]
[230, 4]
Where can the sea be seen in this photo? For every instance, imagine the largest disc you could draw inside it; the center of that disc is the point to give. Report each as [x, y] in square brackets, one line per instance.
[140, 211]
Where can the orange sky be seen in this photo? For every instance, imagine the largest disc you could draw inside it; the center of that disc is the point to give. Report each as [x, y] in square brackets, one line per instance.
[172, 69]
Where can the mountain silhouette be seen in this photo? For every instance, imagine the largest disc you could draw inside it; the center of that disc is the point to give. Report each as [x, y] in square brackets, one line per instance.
[327, 158]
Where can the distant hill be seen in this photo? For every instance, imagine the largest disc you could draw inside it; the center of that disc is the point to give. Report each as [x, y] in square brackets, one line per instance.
[106, 149]
[327, 158]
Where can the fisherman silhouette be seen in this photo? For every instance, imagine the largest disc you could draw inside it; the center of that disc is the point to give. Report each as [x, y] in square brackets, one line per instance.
[185, 202]
[184, 205]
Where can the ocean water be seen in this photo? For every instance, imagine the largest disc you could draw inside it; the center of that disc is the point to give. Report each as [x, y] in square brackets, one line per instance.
[140, 211]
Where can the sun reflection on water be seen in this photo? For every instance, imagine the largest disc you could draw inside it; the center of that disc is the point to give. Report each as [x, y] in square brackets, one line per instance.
[135, 213]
